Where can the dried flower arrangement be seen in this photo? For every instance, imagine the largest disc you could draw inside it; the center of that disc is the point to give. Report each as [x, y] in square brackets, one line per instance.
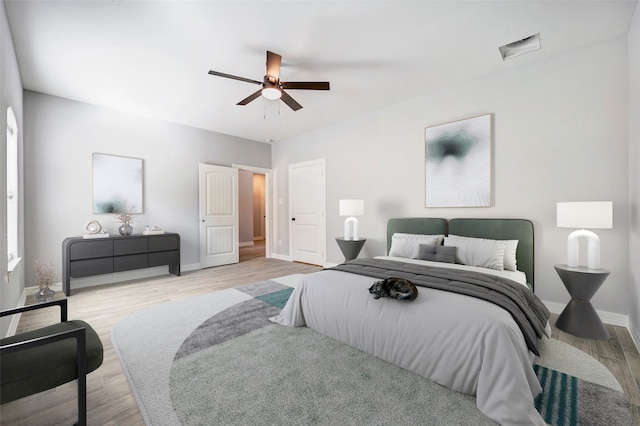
[46, 275]
[125, 214]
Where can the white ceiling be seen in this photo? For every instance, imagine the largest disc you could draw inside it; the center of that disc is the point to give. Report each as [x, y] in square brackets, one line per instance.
[152, 57]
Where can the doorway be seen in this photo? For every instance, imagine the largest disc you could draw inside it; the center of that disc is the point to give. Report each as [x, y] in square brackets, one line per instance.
[255, 251]
[252, 214]
[222, 191]
[254, 209]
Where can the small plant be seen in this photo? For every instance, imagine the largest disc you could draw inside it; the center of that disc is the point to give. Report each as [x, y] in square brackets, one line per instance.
[45, 275]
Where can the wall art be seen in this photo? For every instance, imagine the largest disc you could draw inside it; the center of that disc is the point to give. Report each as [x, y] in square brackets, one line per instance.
[458, 163]
[117, 183]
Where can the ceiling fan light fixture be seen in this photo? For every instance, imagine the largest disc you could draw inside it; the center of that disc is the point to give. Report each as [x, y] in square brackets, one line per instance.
[271, 91]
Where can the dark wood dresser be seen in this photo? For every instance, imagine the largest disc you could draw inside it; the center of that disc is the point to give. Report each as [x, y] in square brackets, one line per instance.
[95, 256]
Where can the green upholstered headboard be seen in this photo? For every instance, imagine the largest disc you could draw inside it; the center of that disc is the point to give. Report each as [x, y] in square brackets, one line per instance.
[502, 229]
[495, 229]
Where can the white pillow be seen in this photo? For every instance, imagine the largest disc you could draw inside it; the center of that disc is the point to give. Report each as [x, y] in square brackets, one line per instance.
[478, 252]
[510, 248]
[408, 245]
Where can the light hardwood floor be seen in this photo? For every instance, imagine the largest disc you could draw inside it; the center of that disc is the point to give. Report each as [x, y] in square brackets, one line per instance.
[109, 399]
[618, 354]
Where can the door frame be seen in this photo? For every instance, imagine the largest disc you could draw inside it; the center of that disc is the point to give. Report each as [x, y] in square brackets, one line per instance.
[267, 202]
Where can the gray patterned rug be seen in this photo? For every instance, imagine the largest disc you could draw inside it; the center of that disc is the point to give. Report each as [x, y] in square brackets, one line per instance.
[216, 359]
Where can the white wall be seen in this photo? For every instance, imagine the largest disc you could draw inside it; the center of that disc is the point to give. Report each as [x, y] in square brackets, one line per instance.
[560, 134]
[634, 174]
[11, 286]
[59, 141]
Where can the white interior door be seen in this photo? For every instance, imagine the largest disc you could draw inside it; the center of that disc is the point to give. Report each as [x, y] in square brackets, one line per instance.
[307, 206]
[219, 237]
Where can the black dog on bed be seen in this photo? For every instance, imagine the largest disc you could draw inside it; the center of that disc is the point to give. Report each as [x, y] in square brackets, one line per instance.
[397, 288]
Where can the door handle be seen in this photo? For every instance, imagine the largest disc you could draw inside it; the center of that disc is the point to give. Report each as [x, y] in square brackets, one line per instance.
[293, 218]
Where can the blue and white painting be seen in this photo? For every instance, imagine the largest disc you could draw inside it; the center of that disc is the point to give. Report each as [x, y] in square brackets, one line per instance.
[458, 163]
[117, 182]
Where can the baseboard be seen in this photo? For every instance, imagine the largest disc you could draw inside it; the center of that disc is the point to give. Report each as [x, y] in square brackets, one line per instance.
[635, 336]
[246, 244]
[30, 291]
[119, 276]
[105, 279]
[606, 317]
[190, 267]
[287, 258]
[127, 276]
[282, 257]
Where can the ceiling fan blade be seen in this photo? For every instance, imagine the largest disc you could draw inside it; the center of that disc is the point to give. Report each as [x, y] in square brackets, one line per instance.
[290, 101]
[305, 85]
[273, 65]
[234, 77]
[250, 98]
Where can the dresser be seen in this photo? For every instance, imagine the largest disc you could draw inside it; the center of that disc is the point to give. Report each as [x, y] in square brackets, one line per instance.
[96, 256]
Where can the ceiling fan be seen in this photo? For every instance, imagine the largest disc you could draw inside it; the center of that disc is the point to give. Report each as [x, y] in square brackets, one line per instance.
[272, 87]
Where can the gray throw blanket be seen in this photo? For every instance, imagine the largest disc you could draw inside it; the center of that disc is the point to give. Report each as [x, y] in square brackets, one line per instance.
[527, 310]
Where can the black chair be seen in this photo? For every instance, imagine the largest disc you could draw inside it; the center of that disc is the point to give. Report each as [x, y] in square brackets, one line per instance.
[48, 357]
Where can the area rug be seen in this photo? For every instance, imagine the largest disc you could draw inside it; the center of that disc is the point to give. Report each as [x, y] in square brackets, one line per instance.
[217, 360]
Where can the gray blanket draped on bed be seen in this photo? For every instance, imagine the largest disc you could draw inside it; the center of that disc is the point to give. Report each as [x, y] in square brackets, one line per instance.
[527, 310]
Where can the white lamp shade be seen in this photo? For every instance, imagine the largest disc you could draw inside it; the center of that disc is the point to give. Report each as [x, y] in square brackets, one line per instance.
[351, 207]
[585, 214]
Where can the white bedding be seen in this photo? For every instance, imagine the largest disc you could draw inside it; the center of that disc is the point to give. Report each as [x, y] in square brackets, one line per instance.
[468, 345]
[517, 276]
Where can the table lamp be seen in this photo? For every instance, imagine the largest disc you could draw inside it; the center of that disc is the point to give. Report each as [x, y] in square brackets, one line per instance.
[585, 214]
[351, 208]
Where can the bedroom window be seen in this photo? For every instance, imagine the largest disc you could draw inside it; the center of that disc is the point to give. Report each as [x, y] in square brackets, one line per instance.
[12, 190]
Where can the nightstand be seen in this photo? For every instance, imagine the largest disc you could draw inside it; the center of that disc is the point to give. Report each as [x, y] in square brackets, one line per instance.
[579, 317]
[350, 248]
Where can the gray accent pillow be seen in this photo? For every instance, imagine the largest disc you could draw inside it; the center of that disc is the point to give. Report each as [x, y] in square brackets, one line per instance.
[437, 253]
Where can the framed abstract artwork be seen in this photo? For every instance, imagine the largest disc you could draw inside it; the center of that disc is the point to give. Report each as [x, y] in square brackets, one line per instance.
[458, 163]
[117, 182]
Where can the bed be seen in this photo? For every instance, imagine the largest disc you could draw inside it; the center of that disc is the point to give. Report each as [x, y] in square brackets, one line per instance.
[473, 329]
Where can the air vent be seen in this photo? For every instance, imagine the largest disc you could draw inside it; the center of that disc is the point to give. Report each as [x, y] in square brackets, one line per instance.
[520, 47]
